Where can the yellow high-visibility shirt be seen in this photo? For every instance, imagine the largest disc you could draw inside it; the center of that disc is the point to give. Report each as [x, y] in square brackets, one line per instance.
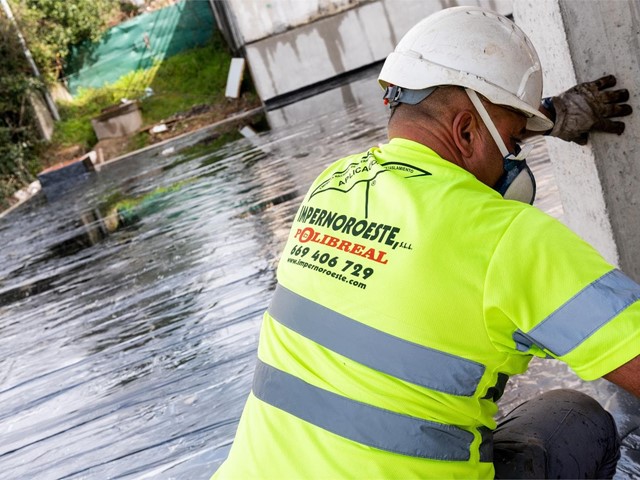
[408, 292]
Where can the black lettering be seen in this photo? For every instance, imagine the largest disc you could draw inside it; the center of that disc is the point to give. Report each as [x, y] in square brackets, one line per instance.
[385, 230]
[392, 235]
[377, 232]
[339, 222]
[323, 213]
[329, 219]
[367, 234]
[359, 227]
[304, 214]
[348, 225]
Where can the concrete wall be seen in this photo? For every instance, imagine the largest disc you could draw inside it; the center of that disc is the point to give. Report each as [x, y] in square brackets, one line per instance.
[580, 41]
[44, 119]
[319, 50]
[364, 91]
[259, 19]
[330, 45]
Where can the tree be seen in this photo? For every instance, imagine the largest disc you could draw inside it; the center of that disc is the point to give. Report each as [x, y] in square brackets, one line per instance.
[18, 135]
[51, 27]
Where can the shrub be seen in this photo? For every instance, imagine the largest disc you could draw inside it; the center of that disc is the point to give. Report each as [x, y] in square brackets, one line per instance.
[19, 139]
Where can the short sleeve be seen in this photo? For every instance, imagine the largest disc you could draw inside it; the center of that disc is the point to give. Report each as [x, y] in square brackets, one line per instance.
[549, 293]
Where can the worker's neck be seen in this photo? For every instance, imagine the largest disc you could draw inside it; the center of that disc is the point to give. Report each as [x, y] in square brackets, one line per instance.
[435, 137]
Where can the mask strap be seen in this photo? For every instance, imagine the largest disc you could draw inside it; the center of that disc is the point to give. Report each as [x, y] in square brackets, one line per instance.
[522, 152]
[473, 96]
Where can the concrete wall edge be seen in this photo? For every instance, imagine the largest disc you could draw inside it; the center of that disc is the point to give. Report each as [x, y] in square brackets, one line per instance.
[574, 166]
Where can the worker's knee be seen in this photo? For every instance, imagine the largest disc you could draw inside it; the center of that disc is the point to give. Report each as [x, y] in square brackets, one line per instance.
[562, 433]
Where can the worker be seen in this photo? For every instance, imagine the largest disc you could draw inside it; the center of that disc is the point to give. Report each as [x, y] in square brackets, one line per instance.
[417, 278]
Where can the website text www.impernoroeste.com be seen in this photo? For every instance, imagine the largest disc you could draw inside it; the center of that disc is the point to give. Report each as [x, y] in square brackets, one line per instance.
[346, 268]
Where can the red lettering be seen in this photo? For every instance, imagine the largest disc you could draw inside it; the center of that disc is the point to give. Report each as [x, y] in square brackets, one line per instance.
[344, 245]
[381, 255]
[306, 234]
[330, 241]
[357, 248]
[370, 254]
[375, 255]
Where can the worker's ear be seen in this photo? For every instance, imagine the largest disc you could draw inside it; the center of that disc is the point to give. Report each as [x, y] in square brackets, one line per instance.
[465, 132]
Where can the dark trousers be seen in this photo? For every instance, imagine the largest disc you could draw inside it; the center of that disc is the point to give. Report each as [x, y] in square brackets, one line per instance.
[559, 434]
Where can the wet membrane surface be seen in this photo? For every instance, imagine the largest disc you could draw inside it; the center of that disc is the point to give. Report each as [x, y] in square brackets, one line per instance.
[128, 352]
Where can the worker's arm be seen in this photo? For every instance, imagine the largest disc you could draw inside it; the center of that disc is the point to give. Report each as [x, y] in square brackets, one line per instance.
[627, 376]
[587, 107]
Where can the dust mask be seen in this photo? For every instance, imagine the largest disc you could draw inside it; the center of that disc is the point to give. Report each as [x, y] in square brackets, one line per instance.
[517, 181]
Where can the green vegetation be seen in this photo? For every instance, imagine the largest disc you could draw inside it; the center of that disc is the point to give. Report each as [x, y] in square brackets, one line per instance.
[53, 26]
[190, 83]
[19, 146]
[118, 211]
[49, 28]
[194, 77]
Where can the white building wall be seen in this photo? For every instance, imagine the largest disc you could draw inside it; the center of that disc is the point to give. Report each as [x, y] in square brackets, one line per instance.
[580, 41]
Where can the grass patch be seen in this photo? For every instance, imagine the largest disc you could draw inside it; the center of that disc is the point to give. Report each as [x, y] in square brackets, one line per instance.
[121, 212]
[139, 140]
[194, 77]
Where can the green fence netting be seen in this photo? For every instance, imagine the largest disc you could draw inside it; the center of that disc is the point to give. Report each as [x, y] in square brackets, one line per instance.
[137, 43]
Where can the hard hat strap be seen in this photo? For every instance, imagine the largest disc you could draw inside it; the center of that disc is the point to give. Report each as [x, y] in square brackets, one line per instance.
[473, 96]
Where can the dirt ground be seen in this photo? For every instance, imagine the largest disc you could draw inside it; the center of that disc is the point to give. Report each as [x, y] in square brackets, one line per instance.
[197, 117]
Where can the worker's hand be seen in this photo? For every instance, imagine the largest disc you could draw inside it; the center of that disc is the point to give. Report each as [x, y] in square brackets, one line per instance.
[587, 108]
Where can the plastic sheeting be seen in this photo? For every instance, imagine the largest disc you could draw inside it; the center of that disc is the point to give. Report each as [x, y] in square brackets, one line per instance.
[137, 43]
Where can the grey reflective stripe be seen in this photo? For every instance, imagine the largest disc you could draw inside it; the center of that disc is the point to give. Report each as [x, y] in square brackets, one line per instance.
[583, 315]
[376, 349]
[359, 422]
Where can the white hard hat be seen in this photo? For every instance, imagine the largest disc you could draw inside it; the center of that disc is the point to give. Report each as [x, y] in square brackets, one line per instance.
[473, 48]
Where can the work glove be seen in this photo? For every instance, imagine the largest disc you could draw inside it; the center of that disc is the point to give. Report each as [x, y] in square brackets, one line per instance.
[587, 108]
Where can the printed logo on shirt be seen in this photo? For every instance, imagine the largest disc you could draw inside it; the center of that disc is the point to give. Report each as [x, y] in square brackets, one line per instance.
[365, 171]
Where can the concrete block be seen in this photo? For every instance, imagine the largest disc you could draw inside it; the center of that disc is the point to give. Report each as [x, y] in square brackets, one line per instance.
[234, 77]
[118, 120]
[329, 46]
